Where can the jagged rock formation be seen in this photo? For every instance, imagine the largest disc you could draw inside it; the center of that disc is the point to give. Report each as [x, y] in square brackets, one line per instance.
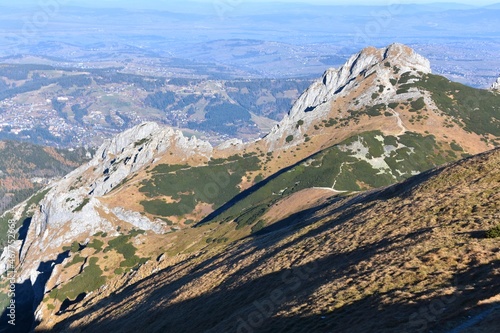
[137, 148]
[72, 210]
[496, 85]
[316, 102]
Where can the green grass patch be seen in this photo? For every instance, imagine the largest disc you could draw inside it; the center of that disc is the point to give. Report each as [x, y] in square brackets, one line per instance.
[420, 153]
[258, 226]
[83, 204]
[250, 216]
[161, 208]
[331, 122]
[478, 109]
[96, 244]
[375, 110]
[74, 247]
[405, 77]
[215, 183]
[76, 259]
[90, 280]
[121, 245]
[456, 147]
[417, 105]
[391, 141]
[403, 89]
[493, 232]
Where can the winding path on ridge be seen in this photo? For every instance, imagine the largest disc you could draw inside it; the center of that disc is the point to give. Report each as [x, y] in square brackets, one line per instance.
[400, 122]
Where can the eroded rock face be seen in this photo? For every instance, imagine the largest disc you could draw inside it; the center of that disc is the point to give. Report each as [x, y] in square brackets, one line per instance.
[72, 209]
[130, 151]
[496, 85]
[315, 102]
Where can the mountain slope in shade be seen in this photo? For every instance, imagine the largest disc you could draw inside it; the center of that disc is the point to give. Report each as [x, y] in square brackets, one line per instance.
[152, 198]
[407, 258]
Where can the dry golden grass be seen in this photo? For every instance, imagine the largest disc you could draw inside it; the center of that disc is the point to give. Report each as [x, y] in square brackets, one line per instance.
[408, 258]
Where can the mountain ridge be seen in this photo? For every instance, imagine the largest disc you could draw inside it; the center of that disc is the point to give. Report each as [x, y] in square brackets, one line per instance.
[381, 118]
[322, 260]
[334, 82]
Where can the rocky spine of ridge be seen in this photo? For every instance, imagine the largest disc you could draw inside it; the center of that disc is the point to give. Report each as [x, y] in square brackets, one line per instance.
[315, 102]
[71, 209]
[496, 85]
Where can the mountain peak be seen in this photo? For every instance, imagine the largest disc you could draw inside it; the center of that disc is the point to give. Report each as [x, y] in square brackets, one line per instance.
[72, 207]
[151, 192]
[386, 63]
[496, 85]
[404, 55]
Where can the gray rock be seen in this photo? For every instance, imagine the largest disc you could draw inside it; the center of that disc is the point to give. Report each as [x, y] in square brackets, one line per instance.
[496, 85]
[72, 209]
[315, 102]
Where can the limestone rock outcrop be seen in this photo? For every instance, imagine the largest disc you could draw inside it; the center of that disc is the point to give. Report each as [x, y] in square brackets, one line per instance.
[496, 85]
[386, 63]
[72, 210]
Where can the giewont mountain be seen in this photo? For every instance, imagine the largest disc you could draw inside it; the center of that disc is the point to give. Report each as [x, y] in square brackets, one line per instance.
[130, 212]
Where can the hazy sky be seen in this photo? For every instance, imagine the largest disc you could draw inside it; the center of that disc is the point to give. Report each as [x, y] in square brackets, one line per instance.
[119, 3]
[364, 2]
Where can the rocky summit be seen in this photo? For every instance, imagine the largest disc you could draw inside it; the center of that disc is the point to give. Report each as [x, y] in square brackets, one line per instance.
[496, 85]
[364, 69]
[305, 222]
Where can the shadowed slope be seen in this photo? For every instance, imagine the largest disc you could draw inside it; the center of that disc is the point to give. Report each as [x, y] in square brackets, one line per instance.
[408, 258]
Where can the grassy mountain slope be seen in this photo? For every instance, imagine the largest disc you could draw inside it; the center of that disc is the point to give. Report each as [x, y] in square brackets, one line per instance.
[365, 161]
[387, 123]
[409, 257]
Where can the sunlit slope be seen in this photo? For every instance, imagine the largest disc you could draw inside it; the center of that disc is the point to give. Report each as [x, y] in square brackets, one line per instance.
[410, 257]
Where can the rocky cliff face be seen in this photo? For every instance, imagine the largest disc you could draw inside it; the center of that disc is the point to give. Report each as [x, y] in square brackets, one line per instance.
[496, 85]
[72, 209]
[316, 102]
